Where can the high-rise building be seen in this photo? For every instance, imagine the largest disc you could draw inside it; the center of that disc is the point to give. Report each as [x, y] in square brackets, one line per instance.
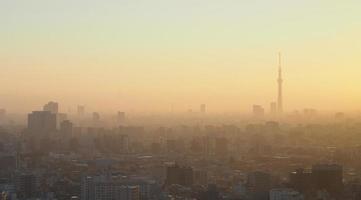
[26, 185]
[108, 188]
[51, 106]
[221, 148]
[258, 111]
[339, 115]
[309, 112]
[203, 108]
[301, 180]
[41, 122]
[328, 177]
[66, 127]
[200, 177]
[81, 110]
[96, 116]
[211, 193]
[2, 113]
[60, 117]
[179, 175]
[280, 92]
[285, 194]
[273, 108]
[259, 184]
[120, 117]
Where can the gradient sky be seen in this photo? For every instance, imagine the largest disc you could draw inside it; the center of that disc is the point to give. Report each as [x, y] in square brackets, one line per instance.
[151, 54]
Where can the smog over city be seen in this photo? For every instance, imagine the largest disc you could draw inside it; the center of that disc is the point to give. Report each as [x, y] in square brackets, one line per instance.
[180, 100]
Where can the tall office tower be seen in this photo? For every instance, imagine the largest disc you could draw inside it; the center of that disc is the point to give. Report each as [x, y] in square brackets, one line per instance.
[279, 81]
[120, 117]
[328, 177]
[179, 175]
[87, 188]
[60, 117]
[221, 148]
[51, 106]
[203, 108]
[258, 111]
[96, 116]
[2, 113]
[66, 127]
[259, 184]
[26, 185]
[301, 180]
[41, 122]
[211, 193]
[273, 108]
[81, 110]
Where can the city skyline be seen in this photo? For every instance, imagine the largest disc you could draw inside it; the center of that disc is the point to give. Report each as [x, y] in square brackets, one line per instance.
[180, 100]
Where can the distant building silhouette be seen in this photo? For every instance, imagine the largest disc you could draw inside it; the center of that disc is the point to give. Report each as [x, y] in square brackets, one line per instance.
[41, 122]
[96, 116]
[211, 193]
[81, 110]
[258, 111]
[221, 147]
[259, 184]
[52, 107]
[328, 177]
[60, 117]
[179, 175]
[66, 127]
[26, 185]
[273, 108]
[325, 177]
[203, 108]
[120, 117]
[2, 113]
[309, 112]
[340, 115]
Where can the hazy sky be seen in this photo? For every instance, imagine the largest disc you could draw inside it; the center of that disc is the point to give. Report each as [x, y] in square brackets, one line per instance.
[151, 54]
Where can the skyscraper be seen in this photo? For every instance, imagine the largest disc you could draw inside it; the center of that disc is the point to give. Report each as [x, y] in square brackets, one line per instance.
[273, 108]
[203, 108]
[328, 177]
[41, 122]
[259, 184]
[26, 185]
[81, 110]
[66, 127]
[52, 107]
[258, 111]
[279, 81]
[96, 116]
[120, 117]
[179, 175]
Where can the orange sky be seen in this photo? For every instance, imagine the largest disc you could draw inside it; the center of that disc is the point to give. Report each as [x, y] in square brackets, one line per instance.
[149, 55]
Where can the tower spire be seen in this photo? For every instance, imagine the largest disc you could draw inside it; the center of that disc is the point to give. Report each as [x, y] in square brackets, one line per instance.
[279, 81]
